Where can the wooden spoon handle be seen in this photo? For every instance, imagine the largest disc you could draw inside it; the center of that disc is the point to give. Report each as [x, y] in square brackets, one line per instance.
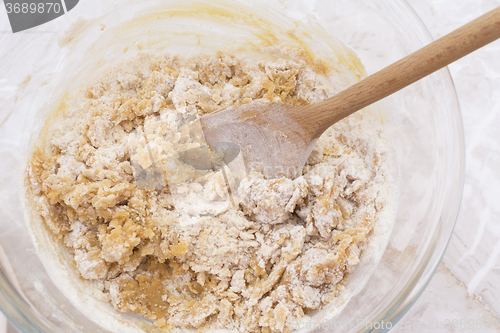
[411, 68]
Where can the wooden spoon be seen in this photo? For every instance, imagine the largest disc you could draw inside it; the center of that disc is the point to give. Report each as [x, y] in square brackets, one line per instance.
[279, 138]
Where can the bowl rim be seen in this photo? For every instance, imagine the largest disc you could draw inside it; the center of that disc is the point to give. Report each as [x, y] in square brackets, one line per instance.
[428, 266]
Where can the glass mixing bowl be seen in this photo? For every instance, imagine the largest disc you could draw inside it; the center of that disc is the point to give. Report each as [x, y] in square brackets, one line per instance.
[422, 122]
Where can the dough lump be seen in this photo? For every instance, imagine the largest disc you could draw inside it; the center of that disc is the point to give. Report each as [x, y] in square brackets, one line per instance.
[180, 252]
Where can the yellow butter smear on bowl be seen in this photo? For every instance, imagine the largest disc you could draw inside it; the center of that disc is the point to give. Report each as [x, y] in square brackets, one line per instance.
[283, 250]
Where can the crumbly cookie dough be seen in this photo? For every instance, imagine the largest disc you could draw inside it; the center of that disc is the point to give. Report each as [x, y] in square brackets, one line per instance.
[182, 254]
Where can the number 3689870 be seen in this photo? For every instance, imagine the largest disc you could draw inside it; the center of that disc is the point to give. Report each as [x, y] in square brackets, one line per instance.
[41, 7]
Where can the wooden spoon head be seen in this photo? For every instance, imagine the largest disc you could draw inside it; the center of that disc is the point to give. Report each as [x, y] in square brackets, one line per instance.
[270, 140]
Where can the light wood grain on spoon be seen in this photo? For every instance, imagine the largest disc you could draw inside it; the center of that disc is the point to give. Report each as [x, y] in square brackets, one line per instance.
[279, 138]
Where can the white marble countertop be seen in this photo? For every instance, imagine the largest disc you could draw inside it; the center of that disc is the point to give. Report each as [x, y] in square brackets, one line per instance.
[464, 294]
